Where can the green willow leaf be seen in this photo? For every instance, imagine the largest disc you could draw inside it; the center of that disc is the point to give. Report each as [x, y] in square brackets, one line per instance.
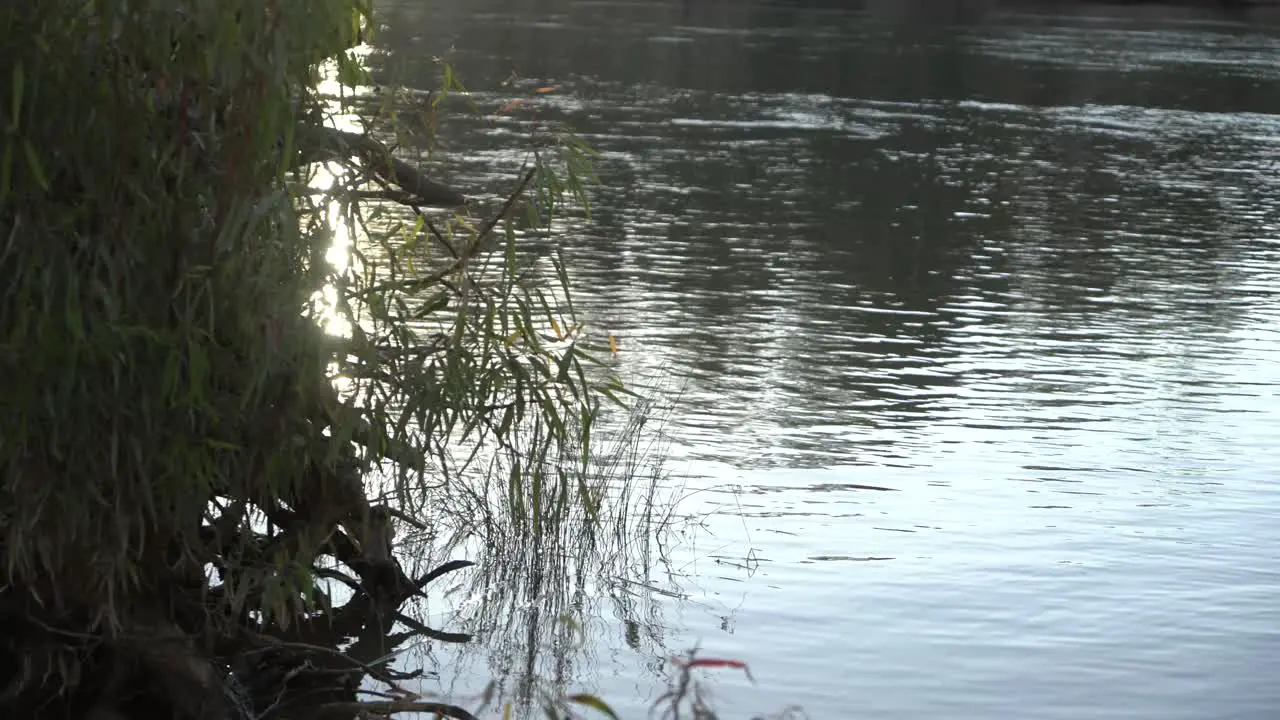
[18, 85]
[34, 165]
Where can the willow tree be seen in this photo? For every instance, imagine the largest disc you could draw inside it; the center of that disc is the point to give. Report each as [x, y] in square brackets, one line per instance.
[179, 470]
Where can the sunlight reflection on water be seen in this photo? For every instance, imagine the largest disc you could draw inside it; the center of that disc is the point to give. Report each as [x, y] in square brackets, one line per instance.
[1027, 282]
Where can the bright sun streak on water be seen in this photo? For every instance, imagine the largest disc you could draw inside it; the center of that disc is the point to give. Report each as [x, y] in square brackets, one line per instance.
[339, 254]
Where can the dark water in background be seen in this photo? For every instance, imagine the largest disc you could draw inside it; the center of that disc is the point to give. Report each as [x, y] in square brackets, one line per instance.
[1023, 273]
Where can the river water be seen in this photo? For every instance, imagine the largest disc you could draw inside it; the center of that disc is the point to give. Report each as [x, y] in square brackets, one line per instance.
[1022, 275]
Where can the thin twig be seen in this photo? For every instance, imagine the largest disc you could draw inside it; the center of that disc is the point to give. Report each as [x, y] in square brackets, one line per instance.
[488, 227]
[268, 643]
[471, 251]
[389, 708]
[434, 231]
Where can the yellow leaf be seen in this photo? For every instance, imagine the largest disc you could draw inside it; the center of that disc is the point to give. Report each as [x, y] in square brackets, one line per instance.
[592, 701]
[613, 344]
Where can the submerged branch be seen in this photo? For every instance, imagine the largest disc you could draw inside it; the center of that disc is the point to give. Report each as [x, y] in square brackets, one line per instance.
[321, 143]
[388, 707]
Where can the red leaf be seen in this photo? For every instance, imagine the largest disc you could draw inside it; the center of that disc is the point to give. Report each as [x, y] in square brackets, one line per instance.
[511, 105]
[714, 663]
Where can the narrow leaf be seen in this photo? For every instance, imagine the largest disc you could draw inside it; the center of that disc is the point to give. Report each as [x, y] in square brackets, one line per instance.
[595, 703]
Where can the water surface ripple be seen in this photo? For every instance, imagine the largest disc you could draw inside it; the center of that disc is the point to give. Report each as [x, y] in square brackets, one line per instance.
[1022, 274]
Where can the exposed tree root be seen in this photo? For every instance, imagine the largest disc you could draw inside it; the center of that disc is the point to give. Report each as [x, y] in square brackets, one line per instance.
[52, 667]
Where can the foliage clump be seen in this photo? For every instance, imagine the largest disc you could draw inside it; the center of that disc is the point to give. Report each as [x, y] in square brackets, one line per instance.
[179, 472]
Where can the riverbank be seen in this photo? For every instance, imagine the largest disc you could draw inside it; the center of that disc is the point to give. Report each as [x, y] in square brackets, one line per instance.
[1154, 9]
[1258, 11]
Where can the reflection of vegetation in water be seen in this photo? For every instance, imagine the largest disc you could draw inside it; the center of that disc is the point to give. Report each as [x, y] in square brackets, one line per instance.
[545, 571]
[559, 512]
[555, 507]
